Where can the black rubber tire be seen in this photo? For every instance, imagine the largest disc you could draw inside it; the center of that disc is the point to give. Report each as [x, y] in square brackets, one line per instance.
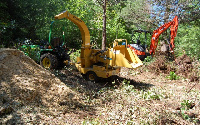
[91, 76]
[53, 62]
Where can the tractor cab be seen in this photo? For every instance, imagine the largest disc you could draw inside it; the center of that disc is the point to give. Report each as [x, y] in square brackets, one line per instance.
[55, 52]
[56, 42]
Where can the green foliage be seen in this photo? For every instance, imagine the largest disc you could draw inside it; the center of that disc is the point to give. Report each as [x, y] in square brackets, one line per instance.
[187, 40]
[189, 11]
[141, 37]
[1, 46]
[32, 51]
[116, 26]
[126, 87]
[91, 121]
[126, 82]
[186, 104]
[116, 30]
[74, 54]
[151, 95]
[135, 14]
[173, 76]
[148, 59]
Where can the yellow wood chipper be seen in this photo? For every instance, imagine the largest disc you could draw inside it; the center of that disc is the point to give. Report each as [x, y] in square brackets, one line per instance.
[97, 63]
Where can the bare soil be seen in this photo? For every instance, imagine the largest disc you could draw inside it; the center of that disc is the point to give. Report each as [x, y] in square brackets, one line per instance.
[29, 94]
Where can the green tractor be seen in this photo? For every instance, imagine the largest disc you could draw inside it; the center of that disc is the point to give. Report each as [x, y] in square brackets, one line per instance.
[49, 55]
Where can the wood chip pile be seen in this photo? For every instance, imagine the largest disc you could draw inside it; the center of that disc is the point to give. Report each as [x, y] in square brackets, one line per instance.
[24, 83]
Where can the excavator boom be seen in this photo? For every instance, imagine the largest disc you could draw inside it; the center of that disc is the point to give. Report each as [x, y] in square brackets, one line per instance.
[173, 29]
[160, 30]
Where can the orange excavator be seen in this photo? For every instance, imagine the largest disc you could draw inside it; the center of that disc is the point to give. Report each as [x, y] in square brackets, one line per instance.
[141, 50]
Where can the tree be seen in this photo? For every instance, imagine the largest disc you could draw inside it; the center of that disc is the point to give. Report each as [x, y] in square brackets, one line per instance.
[189, 11]
[186, 10]
[136, 14]
[4, 22]
[102, 3]
[26, 19]
[104, 26]
[109, 11]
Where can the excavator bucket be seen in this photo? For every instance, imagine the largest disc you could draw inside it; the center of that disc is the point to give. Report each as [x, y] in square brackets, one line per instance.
[123, 56]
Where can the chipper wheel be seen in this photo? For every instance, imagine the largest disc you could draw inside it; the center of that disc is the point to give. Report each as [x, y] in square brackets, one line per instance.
[91, 76]
[48, 61]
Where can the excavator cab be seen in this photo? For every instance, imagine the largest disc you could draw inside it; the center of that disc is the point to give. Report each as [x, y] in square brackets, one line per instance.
[139, 47]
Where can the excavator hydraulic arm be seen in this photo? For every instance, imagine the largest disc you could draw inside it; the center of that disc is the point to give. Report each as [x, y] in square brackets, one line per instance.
[160, 30]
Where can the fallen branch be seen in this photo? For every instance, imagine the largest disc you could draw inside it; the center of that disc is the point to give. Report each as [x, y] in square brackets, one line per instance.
[192, 87]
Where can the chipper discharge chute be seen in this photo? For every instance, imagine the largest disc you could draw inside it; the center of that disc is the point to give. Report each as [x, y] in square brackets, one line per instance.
[123, 56]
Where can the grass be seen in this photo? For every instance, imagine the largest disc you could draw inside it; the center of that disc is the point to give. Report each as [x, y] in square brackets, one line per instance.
[173, 76]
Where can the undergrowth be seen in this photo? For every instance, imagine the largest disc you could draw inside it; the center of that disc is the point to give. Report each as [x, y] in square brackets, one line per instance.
[173, 76]
[74, 54]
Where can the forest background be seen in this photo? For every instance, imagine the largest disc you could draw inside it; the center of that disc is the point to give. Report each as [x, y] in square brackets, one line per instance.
[31, 19]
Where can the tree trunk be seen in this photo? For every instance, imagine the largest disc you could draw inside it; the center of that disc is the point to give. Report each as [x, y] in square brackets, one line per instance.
[104, 27]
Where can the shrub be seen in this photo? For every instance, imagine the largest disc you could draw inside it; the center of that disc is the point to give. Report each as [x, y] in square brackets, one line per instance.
[74, 55]
[173, 76]
[148, 59]
[187, 40]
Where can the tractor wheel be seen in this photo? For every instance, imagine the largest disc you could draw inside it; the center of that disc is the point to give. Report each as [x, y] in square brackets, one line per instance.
[48, 61]
[91, 76]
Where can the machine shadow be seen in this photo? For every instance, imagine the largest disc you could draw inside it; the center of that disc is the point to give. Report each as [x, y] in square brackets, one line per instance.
[90, 90]
[118, 81]
[74, 80]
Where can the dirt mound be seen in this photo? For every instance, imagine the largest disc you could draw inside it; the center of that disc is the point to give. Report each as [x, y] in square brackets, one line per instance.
[184, 59]
[186, 67]
[160, 64]
[182, 66]
[23, 83]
